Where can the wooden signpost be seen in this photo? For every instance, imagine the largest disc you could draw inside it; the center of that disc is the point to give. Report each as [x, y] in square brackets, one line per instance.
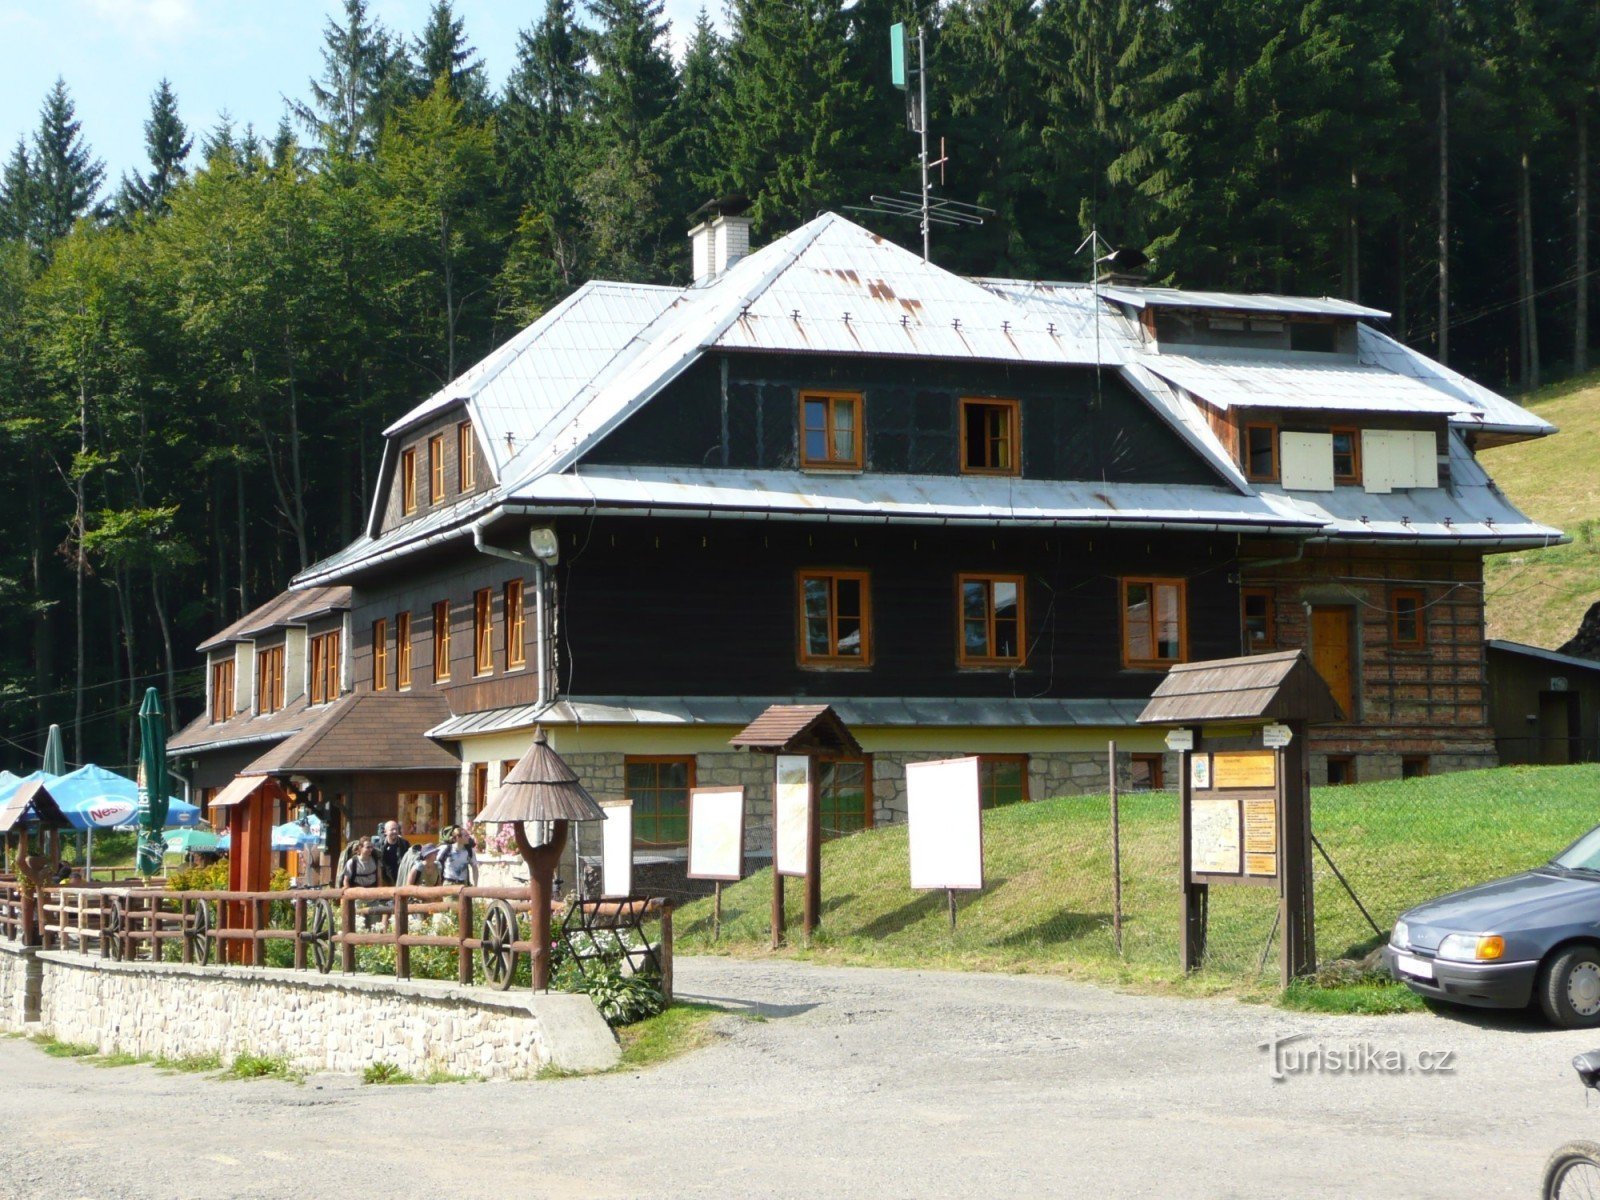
[1245, 797]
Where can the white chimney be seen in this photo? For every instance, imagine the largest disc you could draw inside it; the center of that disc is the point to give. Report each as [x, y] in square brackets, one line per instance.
[721, 240]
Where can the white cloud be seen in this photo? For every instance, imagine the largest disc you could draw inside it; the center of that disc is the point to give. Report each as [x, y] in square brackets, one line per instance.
[147, 21]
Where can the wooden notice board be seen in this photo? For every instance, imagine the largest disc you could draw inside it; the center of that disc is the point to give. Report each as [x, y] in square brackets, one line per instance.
[1245, 769]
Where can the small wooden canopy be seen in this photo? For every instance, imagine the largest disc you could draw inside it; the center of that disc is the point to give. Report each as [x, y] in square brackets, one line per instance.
[541, 787]
[32, 804]
[1259, 687]
[239, 789]
[798, 729]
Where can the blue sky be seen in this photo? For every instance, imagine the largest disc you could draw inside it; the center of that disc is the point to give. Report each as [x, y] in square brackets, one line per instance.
[242, 56]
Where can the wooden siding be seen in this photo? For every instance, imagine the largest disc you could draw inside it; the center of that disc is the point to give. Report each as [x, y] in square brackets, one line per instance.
[445, 425]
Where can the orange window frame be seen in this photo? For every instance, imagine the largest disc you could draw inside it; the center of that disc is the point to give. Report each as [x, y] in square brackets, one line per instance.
[466, 462]
[478, 790]
[1418, 601]
[987, 763]
[380, 655]
[1271, 615]
[441, 642]
[1354, 474]
[402, 652]
[648, 816]
[222, 679]
[1244, 452]
[833, 658]
[436, 468]
[269, 680]
[516, 626]
[991, 659]
[1010, 436]
[1154, 765]
[830, 400]
[408, 481]
[828, 796]
[1155, 584]
[325, 667]
[483, 631]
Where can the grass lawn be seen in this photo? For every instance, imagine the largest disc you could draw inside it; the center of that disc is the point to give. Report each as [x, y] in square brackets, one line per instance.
[1047, 904]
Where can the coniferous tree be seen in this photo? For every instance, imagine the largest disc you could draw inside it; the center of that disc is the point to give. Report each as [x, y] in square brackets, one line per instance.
[167, 142]
[364, 74]
[702, 79]
[20, 216]
[67, 174]
[443, 52]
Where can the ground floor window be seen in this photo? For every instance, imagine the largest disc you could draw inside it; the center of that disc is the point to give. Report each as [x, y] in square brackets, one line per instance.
[1341, 769]
[1146, 773]
[1002, 779]
[422, 815]
[1413, 766]
[844, 793]
[658, 786]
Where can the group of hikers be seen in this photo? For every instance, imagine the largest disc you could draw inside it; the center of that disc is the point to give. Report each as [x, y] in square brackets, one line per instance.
[385, 860]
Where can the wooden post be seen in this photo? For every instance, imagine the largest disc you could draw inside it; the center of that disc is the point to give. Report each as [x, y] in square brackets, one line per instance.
[186, 946]
[464, 929]
[950, 901]
[1296, 912]
[778, 919]
[347, 922]
[541, 862]
[666, 949]
[299, 933]
[813, 902]
[1195, 895]
[402, 926]
[1116, 852]
[716, 910]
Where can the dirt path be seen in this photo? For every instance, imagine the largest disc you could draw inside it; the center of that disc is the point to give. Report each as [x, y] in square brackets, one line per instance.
[855, 1083]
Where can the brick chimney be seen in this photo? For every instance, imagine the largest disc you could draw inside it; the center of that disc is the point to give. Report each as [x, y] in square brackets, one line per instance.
[722, 238]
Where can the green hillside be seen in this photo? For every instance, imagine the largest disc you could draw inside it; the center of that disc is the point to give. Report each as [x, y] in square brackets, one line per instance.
[1539, 596]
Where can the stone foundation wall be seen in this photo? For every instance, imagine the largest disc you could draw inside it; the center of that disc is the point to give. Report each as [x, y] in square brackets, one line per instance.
[318, 1023]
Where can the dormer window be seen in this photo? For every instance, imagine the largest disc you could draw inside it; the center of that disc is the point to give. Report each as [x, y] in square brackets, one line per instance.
[436, 468]
[408, 481]
[830, 431]
[325, 667]
[466, 464]
[1346, 456]
[989, 437]
[1261, 453]
[221, 690]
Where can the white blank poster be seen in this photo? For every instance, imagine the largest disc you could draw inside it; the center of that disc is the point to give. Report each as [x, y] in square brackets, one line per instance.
[791, 814]
[616, 851]
[716, 833]
[945, 815]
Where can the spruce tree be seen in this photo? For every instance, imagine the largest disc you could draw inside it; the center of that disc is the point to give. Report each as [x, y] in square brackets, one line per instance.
[702, 79]
[20, 215]
[68, 175]
[364, 73]
[443, 52]
[168, 143]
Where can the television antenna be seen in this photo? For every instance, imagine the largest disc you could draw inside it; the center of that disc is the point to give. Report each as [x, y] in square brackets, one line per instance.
[927, 208]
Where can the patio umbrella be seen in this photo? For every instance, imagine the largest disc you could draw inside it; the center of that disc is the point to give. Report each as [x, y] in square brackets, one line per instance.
[55, 757]
[292, 835]
[541, 787]
[190, 841]
[152, 782]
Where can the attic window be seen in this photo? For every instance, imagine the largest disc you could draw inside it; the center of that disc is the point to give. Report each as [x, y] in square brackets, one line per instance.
[1320, 337]
[1346, 456]
[1261, 452]
[408, 481]
[989, 436]
[830, 431]
[466, 473]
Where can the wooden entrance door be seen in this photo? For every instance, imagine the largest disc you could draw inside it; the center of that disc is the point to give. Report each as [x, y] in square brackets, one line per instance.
[1331, 646]
[1558, 726]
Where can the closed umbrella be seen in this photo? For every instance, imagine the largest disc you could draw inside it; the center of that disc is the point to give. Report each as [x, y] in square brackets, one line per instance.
[152, 782]
[55, 757]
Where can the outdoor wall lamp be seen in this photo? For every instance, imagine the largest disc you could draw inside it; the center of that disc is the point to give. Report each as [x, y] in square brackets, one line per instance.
[545, 545]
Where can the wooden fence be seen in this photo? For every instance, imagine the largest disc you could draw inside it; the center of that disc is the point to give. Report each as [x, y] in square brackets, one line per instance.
[328, 925]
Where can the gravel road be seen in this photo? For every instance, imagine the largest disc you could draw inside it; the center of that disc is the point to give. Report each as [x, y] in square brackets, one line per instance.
[871, 1083]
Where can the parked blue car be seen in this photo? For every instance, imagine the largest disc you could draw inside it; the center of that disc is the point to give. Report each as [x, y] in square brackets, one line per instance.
[1531, 937]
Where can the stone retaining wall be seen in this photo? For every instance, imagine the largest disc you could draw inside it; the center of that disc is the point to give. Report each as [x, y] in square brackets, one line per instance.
[316, 1022]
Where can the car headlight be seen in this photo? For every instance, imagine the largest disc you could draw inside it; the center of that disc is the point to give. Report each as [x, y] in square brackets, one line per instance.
[1472, 947]
[1401, 937]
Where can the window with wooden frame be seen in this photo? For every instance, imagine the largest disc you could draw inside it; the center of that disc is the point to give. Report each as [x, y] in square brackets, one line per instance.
[1346, 455]
[436, 468]
[441, 641]
[992, 614]
[1146, 773]
[1341, 769]
[269, 680]
[830, 431]
[516, 627]
[483, 631]
[659, 787]
[835, 618]
[380, 655]
[1002, 779]
[1407, 627]
[1258, 615]
[1260, 453]
[991, 437]
[402, 652]
[325, 667]
[408, 481]
[222, 690]
[844, 795]
[1154, 626]
[477, 790]
[466, 461]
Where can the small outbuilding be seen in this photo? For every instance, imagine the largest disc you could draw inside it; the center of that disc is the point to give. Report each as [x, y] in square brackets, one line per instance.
[1544, 705]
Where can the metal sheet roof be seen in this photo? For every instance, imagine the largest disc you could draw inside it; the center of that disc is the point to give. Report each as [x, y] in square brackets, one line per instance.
[1159, 297]
[1480, 407]
[1301, 384]
[737, 711]
[1550, 656]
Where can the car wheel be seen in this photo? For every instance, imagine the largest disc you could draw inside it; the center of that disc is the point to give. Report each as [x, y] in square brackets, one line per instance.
[1569, 988]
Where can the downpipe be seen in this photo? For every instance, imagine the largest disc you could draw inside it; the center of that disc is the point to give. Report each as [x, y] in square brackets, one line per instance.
[540, 612]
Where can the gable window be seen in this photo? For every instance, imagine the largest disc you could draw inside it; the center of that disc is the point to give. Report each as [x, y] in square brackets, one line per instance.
[835, 619]
[380, 655]
[436, 468]
[516, 630]
[830, 431]
[402, 651]
[325, 667]
[1153, 622]
[408, 481]
[441, 641]
[269, 680]
[1347, 456]
[1146, 773]
[1261, 453]
[659, 788]
[466, 463]
[1259, 619]
[992, 630]
[483, 632]
[989, 430]
[844, 795]
[221, 690]
[1407, 630]
[1002, 779]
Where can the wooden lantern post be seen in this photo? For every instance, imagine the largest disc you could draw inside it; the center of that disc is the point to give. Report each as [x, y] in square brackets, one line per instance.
[541, 862]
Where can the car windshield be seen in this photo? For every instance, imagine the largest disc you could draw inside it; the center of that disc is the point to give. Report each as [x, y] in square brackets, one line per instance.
[1582, 855]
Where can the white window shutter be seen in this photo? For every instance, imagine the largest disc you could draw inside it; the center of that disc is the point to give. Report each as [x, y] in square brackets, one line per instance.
[1377, 460]
[1307, 464]
[1425, 459]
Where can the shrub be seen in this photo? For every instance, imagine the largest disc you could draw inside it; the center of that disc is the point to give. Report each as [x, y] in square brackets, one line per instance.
[213, 878]
[621, 999]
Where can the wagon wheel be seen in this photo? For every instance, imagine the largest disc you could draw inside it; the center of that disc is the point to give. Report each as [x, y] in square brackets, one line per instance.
[499, 931]
[198, 934]
[111, 932]
[319, 934]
